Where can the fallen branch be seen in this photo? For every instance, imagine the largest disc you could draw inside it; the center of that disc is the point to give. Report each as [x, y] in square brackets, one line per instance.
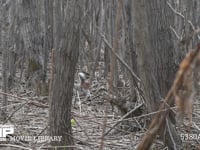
[23, 104]
[27, 101]
[159, 119]
[122, 118]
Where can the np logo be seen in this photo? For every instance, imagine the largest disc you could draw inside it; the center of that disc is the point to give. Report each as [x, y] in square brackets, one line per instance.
[5, 130]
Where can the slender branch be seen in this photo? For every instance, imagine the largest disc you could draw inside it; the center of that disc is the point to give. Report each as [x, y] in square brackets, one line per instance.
[170, 133]
[195, 31]
[175, 33]
[122, 118]
[14, 96]
[175, 11]
[27, 101]
[120, 59]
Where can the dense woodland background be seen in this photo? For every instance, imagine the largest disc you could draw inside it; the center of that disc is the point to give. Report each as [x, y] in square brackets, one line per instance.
[128, 51]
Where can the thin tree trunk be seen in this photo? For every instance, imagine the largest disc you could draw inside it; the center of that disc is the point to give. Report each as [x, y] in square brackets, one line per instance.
[4, 47]
[66, 44]
[114, 69]
[30, 28]
[48, 32]
[99, 46]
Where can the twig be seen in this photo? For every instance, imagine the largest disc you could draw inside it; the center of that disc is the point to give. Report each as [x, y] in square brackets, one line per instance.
[122, 118]
[170, 133]
[176, 34]
[176, 12]
[196, 126]
[27, 101]
[92, 120]
[30, 101]
[155, 112]
[34, 143]
[195, 31]
[14, 96]
[38, 104]
[16, 111]
[12, 105]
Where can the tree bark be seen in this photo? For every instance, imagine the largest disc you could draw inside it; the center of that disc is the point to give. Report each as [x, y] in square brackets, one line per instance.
[32, 37]
[114, 70]
[67, 23]
[145, 55]
[4, 48]
[156, 62]
[48, 32]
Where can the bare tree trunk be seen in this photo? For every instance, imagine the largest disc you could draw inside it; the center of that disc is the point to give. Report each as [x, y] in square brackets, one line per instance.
[4, 48]
[48, 32]
[99, 45]
[12, 43]
[161, 43]
[155, 48]
[114, 69]
[131, 50]
[145, 56]
[107, 54]
[67, 21]
[32, 37]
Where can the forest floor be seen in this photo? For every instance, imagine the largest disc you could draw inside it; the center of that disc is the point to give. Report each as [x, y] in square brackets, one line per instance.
[29, 112]
[29, 115]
